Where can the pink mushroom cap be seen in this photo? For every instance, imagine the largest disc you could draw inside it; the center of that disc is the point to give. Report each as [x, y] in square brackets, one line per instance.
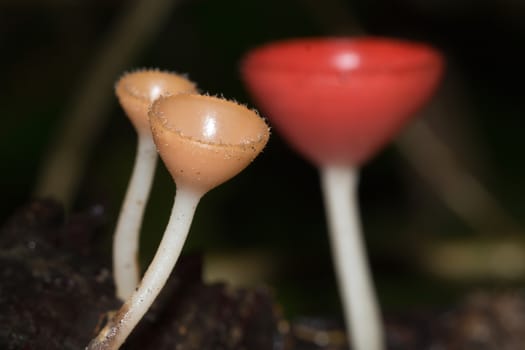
[339, 100]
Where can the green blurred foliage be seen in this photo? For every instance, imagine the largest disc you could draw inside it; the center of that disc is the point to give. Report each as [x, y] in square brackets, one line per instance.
[275, 205]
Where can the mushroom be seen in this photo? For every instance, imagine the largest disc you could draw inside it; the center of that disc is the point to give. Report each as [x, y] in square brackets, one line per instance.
[337, 101]
[136, 91]
[203, 141]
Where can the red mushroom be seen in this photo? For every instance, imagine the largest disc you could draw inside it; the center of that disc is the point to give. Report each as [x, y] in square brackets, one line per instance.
[337, 101]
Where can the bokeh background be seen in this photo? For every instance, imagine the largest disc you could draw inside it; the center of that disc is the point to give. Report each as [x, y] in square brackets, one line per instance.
[442, 206]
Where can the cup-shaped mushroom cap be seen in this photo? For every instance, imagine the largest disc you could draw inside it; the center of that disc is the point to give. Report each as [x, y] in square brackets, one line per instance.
[339, 100]
[203, 140]
[137, 90]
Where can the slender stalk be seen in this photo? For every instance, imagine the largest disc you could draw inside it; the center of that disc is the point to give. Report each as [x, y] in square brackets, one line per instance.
[126, 268]
[122, 323]
[64, 165]
[459, 189]
[339, 185]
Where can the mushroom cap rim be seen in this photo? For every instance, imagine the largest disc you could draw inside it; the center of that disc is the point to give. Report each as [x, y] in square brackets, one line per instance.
[252, 61]
[262, 137]
[138, 96]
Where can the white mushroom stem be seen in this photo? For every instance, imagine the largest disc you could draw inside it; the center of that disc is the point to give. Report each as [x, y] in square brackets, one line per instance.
[120, 326]
[126, 267]
[339, 185]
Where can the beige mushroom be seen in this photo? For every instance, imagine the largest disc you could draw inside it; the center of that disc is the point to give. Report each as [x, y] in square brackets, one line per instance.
[136, 91]
[203, 141]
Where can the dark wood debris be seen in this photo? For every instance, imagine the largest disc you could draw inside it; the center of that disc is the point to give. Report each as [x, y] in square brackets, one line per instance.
[56, 290]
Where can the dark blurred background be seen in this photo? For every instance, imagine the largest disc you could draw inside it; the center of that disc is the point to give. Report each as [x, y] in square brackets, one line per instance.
[267, 226]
